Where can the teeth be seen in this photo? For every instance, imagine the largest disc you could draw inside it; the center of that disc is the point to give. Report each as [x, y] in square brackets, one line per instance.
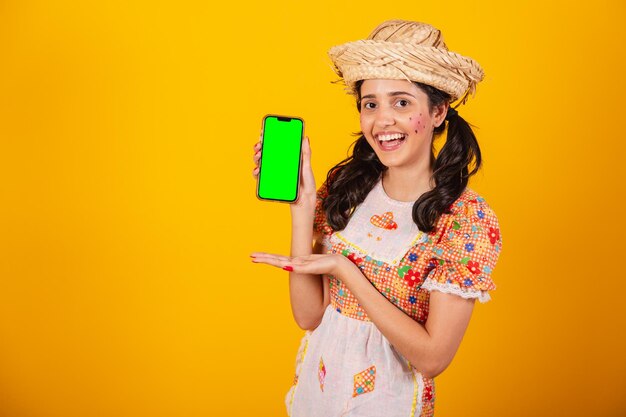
[385, 138]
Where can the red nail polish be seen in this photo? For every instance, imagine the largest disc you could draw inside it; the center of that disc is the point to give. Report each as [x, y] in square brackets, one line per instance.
[288, 268]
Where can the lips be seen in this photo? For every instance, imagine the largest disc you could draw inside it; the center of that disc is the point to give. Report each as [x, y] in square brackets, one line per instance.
[390, 141]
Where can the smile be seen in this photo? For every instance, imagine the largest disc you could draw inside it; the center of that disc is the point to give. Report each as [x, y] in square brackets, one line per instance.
[390, 141]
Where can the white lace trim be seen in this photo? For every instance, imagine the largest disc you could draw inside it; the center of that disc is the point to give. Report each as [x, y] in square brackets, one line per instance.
[449, 288]
[337, 238]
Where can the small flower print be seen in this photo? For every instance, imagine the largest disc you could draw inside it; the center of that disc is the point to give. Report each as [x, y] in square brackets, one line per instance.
[469, 247]
[411, 277]
[494, 235]
[474, 267]
[412, 257]
[468, 282]
[428, 393]
[481, 214]
[354, 259]
[412, 299]
[403, 270]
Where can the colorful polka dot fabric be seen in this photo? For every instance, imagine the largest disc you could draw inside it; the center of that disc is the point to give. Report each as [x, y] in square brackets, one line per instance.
[361, 373]
[364, 381]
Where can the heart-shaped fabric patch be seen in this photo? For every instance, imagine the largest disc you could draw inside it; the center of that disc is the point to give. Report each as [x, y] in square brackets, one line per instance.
[384, 221]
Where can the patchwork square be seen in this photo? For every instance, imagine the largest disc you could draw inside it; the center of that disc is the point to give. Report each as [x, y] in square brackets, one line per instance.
[321, 374]
[364, 381]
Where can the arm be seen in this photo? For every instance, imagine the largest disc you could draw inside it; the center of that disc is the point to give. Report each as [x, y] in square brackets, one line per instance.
[429, 348]
[308, 292]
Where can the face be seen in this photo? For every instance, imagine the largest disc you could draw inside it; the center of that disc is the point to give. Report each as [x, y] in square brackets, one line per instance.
[397, 123]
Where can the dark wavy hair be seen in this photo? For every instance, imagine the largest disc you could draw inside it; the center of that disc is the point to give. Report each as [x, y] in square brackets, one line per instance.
[351, 180]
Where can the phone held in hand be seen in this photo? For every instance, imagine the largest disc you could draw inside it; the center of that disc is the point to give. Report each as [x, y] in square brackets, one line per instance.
[279, 167]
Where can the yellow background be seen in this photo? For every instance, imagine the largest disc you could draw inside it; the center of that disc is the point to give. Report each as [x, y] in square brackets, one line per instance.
[128, 209]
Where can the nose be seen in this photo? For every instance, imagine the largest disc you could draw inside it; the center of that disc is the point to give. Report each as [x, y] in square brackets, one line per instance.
[384, 117]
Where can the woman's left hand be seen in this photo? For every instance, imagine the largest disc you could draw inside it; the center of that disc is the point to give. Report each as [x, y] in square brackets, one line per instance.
[329, 264]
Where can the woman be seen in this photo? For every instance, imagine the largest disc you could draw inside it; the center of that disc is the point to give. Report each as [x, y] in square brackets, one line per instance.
[403, 246]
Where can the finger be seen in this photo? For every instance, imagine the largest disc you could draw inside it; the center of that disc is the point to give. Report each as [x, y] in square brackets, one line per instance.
[256, 157]
[306, 146]
[279, 262]
[257, 146]
[264, 255]
[308, 179]
[270, 261]
[255, 172]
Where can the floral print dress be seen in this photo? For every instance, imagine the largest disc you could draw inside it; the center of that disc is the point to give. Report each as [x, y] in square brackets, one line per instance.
[346, 366]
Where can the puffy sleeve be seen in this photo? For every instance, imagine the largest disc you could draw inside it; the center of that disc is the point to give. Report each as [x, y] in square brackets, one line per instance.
[466, 251]
[320, 224]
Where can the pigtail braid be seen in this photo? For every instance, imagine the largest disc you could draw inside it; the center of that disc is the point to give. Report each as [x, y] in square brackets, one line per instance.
[457, 161]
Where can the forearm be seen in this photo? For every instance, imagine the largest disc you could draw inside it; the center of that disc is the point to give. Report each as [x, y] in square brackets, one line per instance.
[306, 291]
[408, 337]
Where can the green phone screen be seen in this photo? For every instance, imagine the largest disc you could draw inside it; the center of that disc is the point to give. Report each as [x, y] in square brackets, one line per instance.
[279, 171]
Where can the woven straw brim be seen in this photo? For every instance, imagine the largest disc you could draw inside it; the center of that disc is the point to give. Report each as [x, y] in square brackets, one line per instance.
[448, 71]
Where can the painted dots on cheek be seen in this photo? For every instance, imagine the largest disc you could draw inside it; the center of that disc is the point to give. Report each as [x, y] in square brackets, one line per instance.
[416, 124]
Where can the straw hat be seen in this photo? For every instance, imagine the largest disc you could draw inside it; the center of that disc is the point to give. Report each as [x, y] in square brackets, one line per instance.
[400, 49]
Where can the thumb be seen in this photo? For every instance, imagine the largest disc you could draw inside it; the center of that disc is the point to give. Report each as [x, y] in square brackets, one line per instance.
[307, 174]
[306, 147]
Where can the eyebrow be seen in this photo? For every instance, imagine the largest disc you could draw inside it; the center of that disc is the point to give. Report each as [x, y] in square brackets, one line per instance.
[391, 94]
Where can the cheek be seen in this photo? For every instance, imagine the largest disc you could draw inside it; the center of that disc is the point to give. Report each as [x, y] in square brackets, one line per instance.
[417, 122]
[366, 123]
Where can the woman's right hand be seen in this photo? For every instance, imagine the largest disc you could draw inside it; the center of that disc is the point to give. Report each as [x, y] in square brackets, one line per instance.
[306, 187]
[307, 191]
[256, 158]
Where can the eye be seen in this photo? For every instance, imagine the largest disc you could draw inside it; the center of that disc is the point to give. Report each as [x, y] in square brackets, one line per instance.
[402, 103]
[369, 105]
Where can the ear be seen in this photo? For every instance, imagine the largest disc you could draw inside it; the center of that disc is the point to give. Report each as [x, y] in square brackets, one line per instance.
[440, 112]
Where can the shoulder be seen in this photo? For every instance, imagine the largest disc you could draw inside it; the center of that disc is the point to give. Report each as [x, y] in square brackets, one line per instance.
[469, 213]
[472, 206]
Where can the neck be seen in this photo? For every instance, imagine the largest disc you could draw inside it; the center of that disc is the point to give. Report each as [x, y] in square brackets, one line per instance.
[407, 184]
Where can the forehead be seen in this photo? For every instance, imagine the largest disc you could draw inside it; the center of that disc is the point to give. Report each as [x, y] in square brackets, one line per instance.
[381, 87]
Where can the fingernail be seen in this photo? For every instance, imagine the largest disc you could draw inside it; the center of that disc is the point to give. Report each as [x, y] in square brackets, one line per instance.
[288, 268]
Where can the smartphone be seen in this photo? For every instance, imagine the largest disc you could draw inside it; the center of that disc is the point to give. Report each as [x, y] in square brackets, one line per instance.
[279, 167]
